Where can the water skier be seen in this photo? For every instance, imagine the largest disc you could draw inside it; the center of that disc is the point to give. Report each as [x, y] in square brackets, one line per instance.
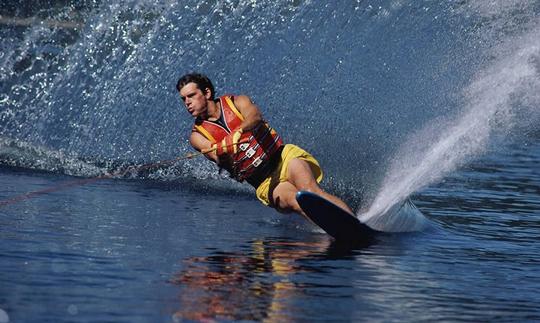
[241, 142]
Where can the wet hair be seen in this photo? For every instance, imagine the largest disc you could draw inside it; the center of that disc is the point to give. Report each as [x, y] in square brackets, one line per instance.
[202, 81]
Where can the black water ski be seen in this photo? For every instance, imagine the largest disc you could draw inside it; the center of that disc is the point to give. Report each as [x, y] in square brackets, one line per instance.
[338, 223]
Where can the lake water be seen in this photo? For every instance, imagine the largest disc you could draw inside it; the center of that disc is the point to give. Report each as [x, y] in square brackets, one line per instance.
[436, 103]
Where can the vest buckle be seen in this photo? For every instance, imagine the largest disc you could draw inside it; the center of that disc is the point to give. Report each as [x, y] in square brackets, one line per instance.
[244, 146]
[257, 162]
[251, 152]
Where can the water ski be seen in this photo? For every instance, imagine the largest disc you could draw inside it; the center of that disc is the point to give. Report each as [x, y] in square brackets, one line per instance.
[338, 223]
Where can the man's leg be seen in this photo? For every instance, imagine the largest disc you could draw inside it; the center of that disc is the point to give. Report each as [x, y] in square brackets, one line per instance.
[300, 178]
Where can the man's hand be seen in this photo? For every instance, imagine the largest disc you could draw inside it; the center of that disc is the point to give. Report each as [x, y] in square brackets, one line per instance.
[229, 144]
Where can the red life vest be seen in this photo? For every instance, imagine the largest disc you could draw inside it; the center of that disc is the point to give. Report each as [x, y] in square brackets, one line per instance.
[260, 143]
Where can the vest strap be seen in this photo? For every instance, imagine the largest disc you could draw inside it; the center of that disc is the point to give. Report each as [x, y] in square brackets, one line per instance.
[233, 107]
[205, 133]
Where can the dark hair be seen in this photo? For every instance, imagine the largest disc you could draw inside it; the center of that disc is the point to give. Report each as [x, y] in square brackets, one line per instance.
[202, 81]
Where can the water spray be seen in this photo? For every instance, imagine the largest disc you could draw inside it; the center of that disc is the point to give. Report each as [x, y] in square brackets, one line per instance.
[117, 174]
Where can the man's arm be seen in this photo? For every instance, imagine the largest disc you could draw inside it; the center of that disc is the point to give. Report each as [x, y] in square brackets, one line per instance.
[199, 142]
[251, 113]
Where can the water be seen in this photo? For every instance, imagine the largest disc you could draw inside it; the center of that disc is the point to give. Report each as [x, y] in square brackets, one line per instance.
[437, 104]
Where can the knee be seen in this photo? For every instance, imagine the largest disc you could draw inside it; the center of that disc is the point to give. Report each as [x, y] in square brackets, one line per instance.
[301, 176]
[312, 187]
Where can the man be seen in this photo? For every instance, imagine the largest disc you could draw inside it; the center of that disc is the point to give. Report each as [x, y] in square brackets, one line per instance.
[240, 141]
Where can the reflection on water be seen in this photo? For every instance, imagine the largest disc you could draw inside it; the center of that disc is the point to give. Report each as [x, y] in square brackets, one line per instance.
[254, 283]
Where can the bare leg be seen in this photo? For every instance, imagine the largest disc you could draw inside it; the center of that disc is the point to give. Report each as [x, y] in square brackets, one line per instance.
[300, 179]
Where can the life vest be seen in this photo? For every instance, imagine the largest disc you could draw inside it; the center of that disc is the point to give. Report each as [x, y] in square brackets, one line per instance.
[259, 144]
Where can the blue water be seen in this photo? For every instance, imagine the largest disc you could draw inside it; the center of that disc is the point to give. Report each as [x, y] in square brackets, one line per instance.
[436, 103]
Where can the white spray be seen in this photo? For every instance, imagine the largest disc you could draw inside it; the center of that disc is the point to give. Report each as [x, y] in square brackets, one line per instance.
[505, 94]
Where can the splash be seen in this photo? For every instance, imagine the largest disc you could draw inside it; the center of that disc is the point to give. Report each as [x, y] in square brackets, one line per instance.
[100, 81]
[504, 98]
[16, 153]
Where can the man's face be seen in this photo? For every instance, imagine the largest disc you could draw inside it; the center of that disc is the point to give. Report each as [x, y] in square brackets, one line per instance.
[195, 100]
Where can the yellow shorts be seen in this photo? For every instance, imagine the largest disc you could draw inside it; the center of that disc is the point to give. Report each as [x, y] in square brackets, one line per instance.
[279, 175]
